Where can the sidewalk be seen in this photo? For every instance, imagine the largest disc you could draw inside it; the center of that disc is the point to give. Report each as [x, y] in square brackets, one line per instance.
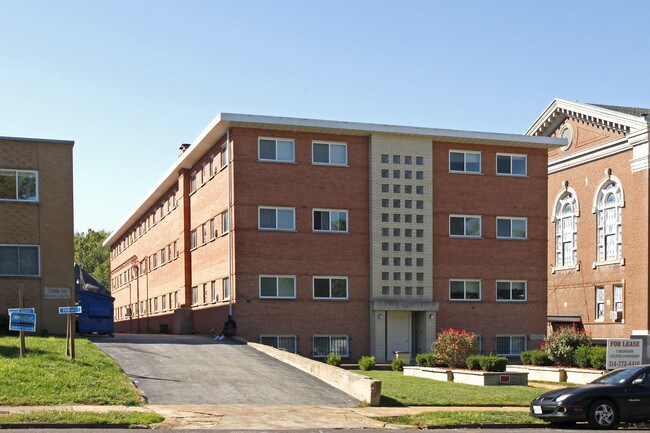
[275, 417]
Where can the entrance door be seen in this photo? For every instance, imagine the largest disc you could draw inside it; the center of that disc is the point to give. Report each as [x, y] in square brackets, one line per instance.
[398, 332]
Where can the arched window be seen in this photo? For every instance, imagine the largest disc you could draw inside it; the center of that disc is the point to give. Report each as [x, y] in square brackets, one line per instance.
[609, 205]
[566, 230]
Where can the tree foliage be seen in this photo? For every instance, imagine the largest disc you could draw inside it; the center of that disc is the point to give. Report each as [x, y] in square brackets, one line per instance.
[94, 257]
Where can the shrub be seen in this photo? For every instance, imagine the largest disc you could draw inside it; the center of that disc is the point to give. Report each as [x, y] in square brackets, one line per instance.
[397, 364]
[333, 359]
[473, 362]
[367, 363]
[561, 345]
[428, 360]
[598, 357]
[453, 346]
[487, 363]
[539, 357]
[583, 356]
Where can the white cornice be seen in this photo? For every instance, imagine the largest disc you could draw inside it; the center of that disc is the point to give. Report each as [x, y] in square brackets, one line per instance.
[560, 109]
[589, 155]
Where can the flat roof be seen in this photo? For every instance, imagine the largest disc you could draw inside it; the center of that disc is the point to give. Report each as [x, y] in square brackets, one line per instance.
[39, 140]
[223, 121]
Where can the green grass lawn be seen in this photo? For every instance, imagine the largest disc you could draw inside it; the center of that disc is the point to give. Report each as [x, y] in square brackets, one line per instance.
[131, 419]
[46, 376]
[455, 418]
[400, 390]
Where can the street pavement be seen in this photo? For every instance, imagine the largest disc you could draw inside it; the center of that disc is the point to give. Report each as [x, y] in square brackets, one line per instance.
[196, 370]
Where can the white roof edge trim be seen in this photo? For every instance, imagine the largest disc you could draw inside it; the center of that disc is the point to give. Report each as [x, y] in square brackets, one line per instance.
[39, 140]
[388, 129]
[616, 116]
[223, 121]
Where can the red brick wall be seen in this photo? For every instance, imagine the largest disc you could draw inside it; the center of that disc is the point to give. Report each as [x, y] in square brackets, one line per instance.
[490, 259]
[573, 291]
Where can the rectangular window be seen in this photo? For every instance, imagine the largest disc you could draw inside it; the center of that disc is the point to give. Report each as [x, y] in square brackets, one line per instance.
[512, 165]
[600, 303]
[618, 298]
[163, 256]
[278, 286]
[163, 298]
[204, 233]
[508, 345]
[330, 288]
[512, 228]
[195, 295]
[192, 187]
[193, 239]
[329, 153]
[176, 304]
[271, 218]
[331, 221]
[225, 283]
[464, 161]
[20, 260]
[282, 342]
[205, 293]
[467, 226]
[465, 290]
[276, 149]
[512, 290]
[326, 344]
[225, 223]
[213, 291]
[175, 249]
[155, 260]
[213, 229]
[19, 185]
[224, 155]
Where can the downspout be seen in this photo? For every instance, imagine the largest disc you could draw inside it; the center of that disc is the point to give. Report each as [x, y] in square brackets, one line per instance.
[230, 221]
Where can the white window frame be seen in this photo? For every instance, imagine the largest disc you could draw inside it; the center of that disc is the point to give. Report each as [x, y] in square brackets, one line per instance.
[330, 230]
[511, 156]
[19, 247]
[604, 253]
[465, 153]
[226, 289]
[465, 281]
[330, 297]
[195, 295]
[225, 223]
[329, 337]
[510, 338]
[510, 298]
[511, 219]
[223, 155]
[194, 239]
[278, 341]
[599, 313]
[566, 229]
[465, 220]
[329, 145]
[276, 139]
[16, 175]
[277, 284]
[276, 209]
[213, 292]
[619, 298]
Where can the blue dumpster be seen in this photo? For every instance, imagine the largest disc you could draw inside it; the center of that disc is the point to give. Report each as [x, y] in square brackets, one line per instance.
[96, 305]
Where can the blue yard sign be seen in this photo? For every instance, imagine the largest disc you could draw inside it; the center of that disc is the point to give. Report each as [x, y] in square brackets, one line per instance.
[70, 310]
[22, 319]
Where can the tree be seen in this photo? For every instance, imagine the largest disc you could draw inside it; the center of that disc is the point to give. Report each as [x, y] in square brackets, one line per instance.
[94, 257]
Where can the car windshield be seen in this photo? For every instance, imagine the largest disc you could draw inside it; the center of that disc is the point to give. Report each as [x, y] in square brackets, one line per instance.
[618, 376]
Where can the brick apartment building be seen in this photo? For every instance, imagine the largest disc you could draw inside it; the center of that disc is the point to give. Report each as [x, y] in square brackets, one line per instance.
[598, 225]
[36, 226]
[323, 236]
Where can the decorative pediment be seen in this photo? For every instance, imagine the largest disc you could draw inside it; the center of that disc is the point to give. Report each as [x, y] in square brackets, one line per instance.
[600, 116]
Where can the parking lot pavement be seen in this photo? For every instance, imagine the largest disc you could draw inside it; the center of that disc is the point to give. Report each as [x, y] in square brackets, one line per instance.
[196, 370]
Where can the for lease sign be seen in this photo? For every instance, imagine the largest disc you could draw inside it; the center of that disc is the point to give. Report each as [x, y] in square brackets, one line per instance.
[623, 353]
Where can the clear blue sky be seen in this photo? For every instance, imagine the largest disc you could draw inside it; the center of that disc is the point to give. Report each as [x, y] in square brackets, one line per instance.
[129, 81]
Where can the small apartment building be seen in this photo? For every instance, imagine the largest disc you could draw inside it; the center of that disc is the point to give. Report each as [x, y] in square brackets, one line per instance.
[351, 238]
[36, 226]
[598, 218]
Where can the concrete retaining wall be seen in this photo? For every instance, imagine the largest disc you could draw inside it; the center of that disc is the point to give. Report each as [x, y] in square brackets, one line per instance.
[356, 385]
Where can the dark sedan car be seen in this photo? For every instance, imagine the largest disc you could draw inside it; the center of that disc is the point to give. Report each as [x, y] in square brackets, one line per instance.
[622, 395]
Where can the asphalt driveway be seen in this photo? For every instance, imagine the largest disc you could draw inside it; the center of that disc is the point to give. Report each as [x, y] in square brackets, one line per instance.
[196, 370]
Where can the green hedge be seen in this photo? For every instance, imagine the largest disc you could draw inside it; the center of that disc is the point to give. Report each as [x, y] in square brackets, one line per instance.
[535, 357]
[591, 356]
[367, 363]
[397, 364]
[428, 360]
[487, 363]
[333, 359]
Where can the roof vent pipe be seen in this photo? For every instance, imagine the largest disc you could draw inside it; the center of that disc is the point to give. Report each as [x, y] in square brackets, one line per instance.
[183, 148]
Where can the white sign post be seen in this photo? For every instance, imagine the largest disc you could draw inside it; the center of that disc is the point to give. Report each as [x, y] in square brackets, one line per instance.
[623, 352]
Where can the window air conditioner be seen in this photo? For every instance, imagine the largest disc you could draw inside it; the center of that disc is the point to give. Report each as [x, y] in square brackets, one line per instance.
[616, 315]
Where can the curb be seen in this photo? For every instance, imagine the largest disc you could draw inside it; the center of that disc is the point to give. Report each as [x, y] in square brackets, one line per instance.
[6, 426]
